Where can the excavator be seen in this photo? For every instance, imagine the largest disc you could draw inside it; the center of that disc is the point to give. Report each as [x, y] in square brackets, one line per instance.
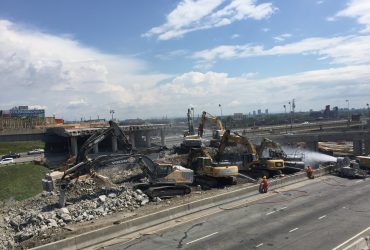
[165, 180]
[191, 140]
[217, 134]
[169, 178]
[252, 161]
[209, 173]
[291, 162]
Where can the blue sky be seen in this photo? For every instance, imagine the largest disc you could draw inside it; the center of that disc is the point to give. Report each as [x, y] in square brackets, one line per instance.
[157, 58]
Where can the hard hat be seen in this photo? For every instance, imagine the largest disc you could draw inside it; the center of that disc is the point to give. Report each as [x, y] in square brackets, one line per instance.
[264, 177]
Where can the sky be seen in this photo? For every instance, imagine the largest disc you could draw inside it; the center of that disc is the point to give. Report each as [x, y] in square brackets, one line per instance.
[154, 59]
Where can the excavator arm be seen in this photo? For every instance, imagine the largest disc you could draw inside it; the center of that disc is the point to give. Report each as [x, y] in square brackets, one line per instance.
[275, 149]
[238, 139]
[100, 135]
[206, 117]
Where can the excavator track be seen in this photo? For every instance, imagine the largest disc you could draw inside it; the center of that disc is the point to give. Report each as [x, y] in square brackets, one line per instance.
[163, 191]
[207, 182]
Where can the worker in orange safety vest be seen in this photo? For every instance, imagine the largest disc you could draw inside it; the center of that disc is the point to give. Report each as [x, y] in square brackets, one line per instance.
[309, 172]
[264, 185]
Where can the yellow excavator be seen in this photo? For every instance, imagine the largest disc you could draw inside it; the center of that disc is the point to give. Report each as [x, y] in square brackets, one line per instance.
[252, 161]
[217, 134]
[209, 173]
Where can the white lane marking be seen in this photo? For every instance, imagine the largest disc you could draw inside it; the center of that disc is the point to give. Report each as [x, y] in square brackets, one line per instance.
[293, 229]
[209, 235]
[276, 210]
[359, 181]
[259, 245]
[337, 247]
[322, 217]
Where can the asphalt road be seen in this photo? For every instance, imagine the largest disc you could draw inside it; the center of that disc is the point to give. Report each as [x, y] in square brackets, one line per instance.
[320, 215]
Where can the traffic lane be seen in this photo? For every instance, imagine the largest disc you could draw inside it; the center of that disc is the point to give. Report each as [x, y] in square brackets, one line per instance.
[301, 225]
[248, 226]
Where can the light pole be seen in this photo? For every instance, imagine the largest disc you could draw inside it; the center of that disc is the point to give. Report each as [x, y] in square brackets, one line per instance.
[286, 124]
[348, 109]
[220, 109]
[368, 111]
[112, 112]
[291, 120]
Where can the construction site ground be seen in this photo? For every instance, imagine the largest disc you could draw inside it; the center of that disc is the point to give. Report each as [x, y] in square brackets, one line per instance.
[49, 202]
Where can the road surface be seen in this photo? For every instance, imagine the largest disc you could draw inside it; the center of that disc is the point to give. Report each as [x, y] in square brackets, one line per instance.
[320, 215]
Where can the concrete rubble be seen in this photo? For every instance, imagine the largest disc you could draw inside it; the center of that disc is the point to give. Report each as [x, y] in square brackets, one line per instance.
[40, 216]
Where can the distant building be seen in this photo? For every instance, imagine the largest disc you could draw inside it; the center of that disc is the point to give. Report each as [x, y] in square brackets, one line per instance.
[254, 113]
[266, 111]
[23, 111]
[238, 116]
[259, 112]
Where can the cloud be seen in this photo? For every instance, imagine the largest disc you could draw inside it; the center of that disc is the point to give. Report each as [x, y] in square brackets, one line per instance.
[239, 94]
[339, 50]
[359, 9]
[234, 36]
[282, 37]
[68, 78]
[193, 15]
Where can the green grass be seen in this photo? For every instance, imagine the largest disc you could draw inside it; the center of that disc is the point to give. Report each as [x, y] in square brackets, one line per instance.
[20, 146]
[20, 181]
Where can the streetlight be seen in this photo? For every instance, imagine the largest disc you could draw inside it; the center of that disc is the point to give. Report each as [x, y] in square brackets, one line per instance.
[286, 124]
[291, 119]
[112, 112]
[220, 109]
[347, 101]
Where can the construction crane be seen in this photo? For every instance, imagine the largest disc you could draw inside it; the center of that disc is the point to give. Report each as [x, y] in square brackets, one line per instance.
[165, 180]
[252, 161]
[217, 134]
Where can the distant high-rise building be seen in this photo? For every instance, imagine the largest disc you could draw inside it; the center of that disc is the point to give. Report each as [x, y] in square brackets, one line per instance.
[259, 112]
[254, 113]
[266, 111]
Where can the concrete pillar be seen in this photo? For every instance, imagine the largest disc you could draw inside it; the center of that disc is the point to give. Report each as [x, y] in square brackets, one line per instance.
[74, 147]
[163, 138]
[357, 147]
[114, 144]
[96, 148]
[312, 145]
[147, 139]
[132, 140]
[367, 147]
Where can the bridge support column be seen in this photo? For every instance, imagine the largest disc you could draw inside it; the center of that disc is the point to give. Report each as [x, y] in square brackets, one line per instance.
[74, 147]
[367, 146]
[132, 139]
[357, 147]
[147, 139]
[163, 138]
[114, 144]
[312, 145]
[96, 148]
